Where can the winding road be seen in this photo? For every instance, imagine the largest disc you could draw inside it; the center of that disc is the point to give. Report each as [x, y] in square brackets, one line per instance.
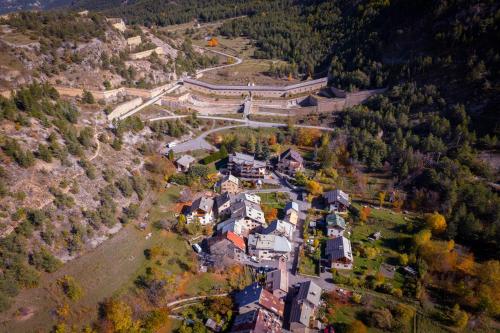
[200, 143]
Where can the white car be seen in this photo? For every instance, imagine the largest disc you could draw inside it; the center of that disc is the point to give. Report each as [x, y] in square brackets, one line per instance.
[172, 144]
[254, 259]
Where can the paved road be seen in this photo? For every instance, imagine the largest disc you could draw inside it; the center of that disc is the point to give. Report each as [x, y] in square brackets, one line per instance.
[200, 142]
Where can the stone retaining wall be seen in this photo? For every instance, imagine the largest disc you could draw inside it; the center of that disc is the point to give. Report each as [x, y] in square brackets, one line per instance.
[124, 108]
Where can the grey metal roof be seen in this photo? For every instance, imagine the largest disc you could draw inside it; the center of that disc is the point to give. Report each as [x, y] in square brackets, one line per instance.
[293, 154]
[301, 312]
[338, 248]
[222, 199]
[239, 158]
[185, 160]
[203, 203]
[337, 196]
[283, 89]
[310, 292]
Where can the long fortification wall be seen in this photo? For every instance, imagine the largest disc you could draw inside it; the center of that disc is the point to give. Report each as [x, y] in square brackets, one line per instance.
[145, 54]
[255, 90]
[124, 108]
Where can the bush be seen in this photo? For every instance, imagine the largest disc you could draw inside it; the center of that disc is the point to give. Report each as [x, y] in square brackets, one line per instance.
[44, 260]
[70, 287]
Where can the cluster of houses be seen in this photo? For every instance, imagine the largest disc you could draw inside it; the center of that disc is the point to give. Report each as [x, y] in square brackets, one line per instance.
[243, 232]
[246, 166]
[275, 307]
[338, 249]
[242, 235]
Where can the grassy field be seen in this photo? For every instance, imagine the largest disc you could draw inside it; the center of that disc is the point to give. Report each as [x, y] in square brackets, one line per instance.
[251, 70]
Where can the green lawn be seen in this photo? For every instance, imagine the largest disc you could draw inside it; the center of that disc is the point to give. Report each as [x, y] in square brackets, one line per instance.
[308, 266]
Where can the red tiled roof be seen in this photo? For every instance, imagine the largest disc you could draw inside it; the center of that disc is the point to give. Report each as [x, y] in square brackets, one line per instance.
[236, 240]
[271, 302]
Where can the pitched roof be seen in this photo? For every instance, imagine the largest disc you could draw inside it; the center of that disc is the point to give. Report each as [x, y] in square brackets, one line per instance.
[338, 248]
[230, 178]
[246, 159]
[301, 312]
[280, 228]
[203, 203]
[247, 209]
[254, 293]
[236, 240]
[185, 160]
[269, 242]
[291, 154]
[337, 196]
[309, 292]
[222, 199]
[334, 220]
[256, 321]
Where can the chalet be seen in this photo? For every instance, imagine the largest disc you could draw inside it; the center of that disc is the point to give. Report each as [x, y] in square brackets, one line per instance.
[280, 228]
[227, 248]
[339, 253]
[201, 210]
[268, 247]
[184, 163]
[277, 283]
[337, 201]
[249, 211]
[289, 162]
[229, 184]
[335, 225]
[304, 306]
[247, 166]
[255, 297]
[257, 321]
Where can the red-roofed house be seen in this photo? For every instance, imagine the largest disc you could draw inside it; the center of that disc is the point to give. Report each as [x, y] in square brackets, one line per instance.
[227, 248]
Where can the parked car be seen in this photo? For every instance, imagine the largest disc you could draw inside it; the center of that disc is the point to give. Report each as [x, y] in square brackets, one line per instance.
[172, 144]
[254, 259]
[196, 248]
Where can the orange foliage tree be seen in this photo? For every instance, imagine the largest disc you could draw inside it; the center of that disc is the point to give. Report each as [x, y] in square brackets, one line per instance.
[270, 213]
[364, 214]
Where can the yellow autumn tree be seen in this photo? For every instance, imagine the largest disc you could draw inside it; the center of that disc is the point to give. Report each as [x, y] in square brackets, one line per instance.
[436, 222]
[356, 326]
[314, 188]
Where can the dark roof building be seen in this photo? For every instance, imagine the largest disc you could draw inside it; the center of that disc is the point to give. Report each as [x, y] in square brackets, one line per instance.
[289, 162]
[339, 253]
[337, 200]
[254, 297]
[304, 305]
[257, 321]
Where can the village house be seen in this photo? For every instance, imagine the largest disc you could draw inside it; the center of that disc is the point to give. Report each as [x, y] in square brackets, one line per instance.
[289, 162]
[223, 204]
[267, 247]
[335, 225]
[337, 201]
[304, 306]
[229, 184]
[246, 166]
[201, 210]
[184, 163]
[280, 228]
[339, 253]
[249, 211]
[257, 321]
[244, 211]
[226, 249]
[277, 282]
[255, 297]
